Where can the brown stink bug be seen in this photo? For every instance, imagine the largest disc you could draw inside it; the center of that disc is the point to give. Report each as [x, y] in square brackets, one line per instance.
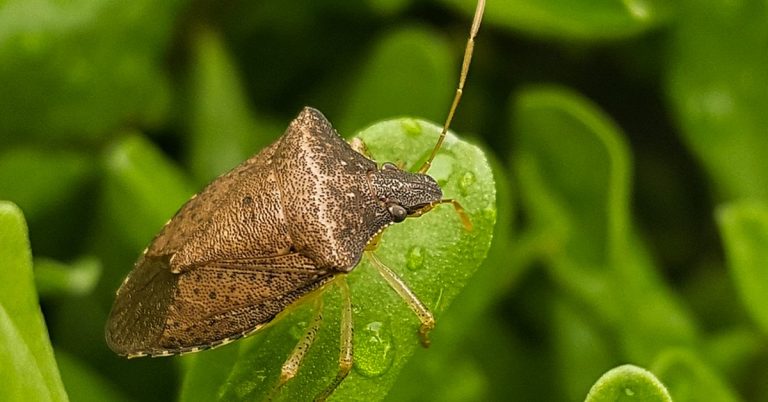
[299, 214]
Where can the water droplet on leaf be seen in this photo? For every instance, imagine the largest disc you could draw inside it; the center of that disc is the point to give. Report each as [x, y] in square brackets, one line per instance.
[411, 126]
[297, 330]
[374, 352]
[466, 182]
[414, 259]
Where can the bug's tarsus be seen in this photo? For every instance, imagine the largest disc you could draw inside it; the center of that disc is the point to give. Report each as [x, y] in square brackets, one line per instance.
[459, 210]
[345, 344]
[394, 281]
[456, 206]
[468, 50]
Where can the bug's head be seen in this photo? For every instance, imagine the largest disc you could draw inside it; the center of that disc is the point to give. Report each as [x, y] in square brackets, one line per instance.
[407, 194]
[404, 193]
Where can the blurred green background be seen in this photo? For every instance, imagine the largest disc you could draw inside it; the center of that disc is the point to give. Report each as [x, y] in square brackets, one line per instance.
[629, 141]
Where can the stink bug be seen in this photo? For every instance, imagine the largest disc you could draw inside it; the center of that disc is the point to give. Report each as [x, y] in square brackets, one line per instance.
[296, 216]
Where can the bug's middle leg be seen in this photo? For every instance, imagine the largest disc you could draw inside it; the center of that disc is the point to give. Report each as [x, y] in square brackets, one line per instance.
[293, 363]
[345, 345]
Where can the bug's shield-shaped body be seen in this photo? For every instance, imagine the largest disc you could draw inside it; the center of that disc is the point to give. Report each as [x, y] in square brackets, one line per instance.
[258, 238]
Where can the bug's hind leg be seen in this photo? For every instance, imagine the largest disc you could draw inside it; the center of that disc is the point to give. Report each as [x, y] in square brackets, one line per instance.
[293, 363]
[345, 345]
[418, 307]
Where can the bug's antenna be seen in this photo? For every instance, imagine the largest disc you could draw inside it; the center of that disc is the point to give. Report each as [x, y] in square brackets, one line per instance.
[460, 88]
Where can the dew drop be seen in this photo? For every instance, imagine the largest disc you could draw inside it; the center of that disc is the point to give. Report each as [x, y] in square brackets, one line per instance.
[411, 126]
[374, 352]
[489, 214]
[297, 330]
[629, 392]
[260, 375]
[466, 182]
[414, 259]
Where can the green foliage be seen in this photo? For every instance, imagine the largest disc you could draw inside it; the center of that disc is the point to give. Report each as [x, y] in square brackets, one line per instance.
[688, 378]
[720, 109]
[26, 358]
[624, 163]
[401, 55]
[575, 20]
[83, 383]
[223, 131]
[54, 278]
[76, 70]
[745, 235]
[628, 383]
[574, 180]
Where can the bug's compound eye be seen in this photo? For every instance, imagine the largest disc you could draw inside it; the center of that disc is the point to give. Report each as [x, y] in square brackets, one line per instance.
[398, 212]
[389, 166]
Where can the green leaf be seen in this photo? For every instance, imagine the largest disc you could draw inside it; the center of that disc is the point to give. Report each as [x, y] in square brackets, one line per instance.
[734, 352]
[628, 383]
[223, 131]
[689, 379]
[433, 254]
[83, 383]
[581, 158]
[62, 64]
[456, 342]
[455, 372]
[142, 190]
[27, 366]
[653, 318]
[475, 339]
[744, 228]
[54, 278]
[40, 180]
[52, 185]
[409, 73]
[573, 20]
[574, 171]
[718, 87]
[582, 349]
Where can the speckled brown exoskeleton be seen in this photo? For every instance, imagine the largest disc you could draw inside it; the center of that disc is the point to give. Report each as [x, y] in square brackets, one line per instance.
[299, 214]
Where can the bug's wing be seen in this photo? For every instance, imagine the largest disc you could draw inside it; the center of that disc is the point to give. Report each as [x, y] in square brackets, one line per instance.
[157, 312]
[141, 306]
[208, 220]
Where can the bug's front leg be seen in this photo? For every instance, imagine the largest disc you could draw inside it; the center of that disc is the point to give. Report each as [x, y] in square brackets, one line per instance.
[418, 307]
